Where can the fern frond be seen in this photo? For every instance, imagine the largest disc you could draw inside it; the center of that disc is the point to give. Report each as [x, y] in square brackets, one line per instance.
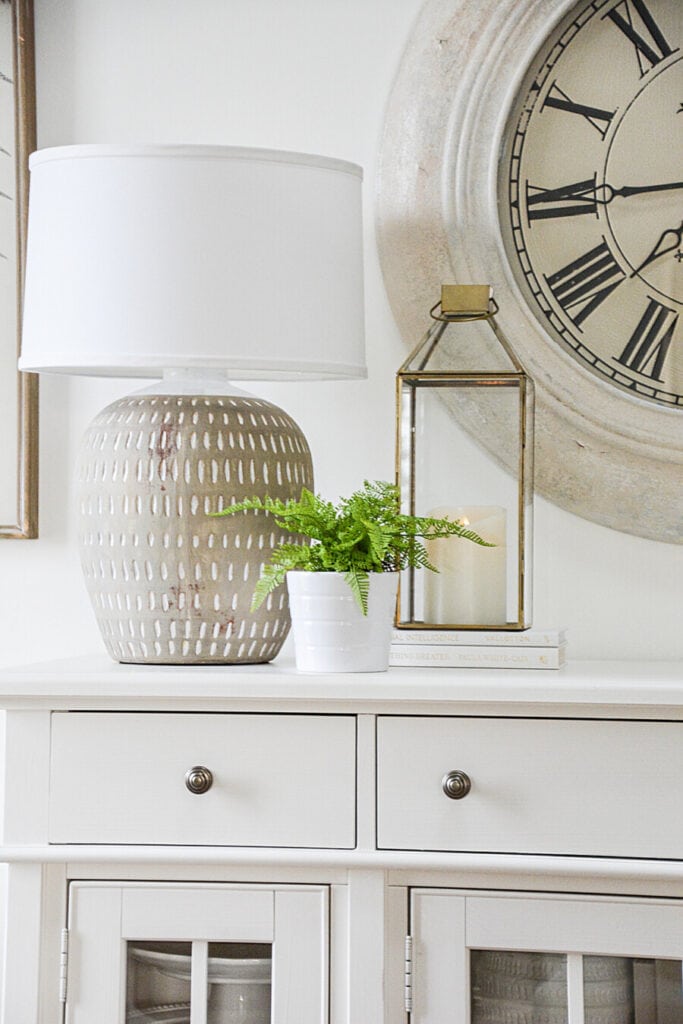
[380, 539]
[359, 582]
[272, 576]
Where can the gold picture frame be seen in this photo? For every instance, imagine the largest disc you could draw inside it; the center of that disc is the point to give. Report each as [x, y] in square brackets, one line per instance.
[19, 408]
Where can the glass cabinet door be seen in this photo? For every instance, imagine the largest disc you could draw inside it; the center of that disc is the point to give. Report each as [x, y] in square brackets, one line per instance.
[545, 960]
[197, 954]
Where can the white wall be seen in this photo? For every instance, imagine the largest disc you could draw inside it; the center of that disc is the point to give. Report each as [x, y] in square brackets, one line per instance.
[309, 75]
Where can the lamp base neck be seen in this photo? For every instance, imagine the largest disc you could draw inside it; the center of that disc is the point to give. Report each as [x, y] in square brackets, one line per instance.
[194, 381]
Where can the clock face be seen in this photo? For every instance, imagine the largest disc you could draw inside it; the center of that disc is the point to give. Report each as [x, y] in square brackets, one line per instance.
[591, 192]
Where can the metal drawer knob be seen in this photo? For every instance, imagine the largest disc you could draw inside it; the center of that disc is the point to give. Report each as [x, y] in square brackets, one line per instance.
[198, 779]
[456, 785]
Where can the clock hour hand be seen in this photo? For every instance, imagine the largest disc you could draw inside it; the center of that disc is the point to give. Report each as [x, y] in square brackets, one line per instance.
[668, 241]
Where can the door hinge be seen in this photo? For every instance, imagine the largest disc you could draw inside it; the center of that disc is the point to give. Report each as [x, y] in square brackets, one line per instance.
[408, 975]
[63, 963]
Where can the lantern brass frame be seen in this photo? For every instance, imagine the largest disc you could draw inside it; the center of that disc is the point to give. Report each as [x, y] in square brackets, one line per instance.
[460, 304]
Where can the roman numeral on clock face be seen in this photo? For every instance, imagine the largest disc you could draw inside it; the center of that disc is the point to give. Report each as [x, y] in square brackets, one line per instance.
[586, 282]
[648, 346]
[565, 201]
[649, 42]
[596, 117]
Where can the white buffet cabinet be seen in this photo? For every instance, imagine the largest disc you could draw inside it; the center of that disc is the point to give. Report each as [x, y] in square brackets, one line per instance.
[435, 846]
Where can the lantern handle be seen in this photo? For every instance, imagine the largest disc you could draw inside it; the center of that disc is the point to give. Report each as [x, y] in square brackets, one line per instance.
[464, 317]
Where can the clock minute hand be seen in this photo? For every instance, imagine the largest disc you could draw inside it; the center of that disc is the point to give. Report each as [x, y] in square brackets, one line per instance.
[660, 249]
[610, 193]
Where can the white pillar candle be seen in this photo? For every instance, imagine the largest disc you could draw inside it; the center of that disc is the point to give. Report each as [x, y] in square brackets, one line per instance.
[470, 588]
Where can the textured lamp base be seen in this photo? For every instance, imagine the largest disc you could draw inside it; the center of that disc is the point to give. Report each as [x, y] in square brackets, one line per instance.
[169, 584]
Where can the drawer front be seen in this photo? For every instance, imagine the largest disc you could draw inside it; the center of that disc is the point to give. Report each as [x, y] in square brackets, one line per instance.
[278, 780]
[537, 786]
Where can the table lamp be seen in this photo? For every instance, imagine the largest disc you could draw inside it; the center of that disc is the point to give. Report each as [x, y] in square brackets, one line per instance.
[199, 265]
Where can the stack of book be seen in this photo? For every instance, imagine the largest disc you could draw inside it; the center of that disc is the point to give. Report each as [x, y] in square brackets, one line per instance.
[453, 648]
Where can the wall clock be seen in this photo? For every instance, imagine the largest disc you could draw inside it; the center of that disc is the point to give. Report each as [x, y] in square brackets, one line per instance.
[538, 145]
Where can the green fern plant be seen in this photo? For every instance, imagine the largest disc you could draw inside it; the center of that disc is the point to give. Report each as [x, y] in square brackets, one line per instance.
[364, 533]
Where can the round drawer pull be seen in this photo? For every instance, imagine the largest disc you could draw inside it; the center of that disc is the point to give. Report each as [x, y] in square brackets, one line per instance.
[198, 779]
[456, 785]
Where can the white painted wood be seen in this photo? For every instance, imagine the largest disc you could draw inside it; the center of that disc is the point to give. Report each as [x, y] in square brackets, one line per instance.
[24, 774]
[605, 927]
[53, 919]
[4, 893]
[96, 955]
[199, 992]
[98, 683]
[366, 946]
[339, 954]
[285, 780]
[538, 786]
[575, 996]
[440, 959]
[300, 991]
[366, 806]
[21, 960]
[177, 912]
[395, 930]
[592, 874]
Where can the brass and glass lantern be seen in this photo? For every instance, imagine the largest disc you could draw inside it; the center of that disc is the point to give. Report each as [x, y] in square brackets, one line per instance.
[465, 451]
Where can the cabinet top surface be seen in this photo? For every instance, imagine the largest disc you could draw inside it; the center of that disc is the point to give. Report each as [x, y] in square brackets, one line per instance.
[97, 682]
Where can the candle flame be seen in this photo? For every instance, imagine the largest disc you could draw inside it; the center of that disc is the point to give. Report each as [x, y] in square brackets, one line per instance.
[464, 521]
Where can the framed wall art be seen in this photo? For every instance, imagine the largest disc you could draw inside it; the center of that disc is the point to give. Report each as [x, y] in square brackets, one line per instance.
[18, 391]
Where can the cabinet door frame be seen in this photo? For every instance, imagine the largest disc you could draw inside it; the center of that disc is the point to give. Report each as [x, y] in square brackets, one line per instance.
[446, 924]
[104, 916]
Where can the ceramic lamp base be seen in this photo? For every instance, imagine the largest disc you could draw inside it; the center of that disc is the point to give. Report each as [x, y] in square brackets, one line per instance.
[170, 584]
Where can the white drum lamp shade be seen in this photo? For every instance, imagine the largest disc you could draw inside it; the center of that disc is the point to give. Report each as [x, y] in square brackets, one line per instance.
[173, 256]
[174, 261]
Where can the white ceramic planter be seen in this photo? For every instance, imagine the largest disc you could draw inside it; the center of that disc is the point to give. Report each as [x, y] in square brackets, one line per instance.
[331, 634]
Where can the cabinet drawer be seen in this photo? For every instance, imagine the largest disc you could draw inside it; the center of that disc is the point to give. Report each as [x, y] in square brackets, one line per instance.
[278, 780]
[537, 786]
